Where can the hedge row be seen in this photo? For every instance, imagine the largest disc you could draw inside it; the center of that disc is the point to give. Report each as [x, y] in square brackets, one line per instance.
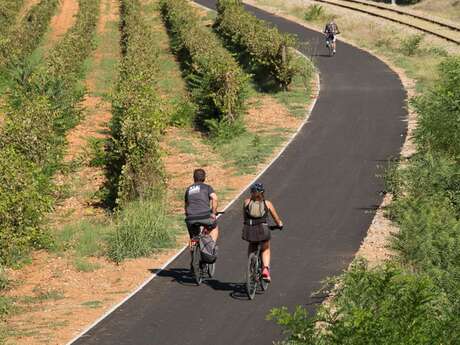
[134, 166]
[218, 83]
[9, 10]
[41, 106]
[25, 37]
[264, 45]
[415, 298]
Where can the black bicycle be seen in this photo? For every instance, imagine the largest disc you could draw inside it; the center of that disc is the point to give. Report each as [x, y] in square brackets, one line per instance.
[201, 269]
[254, 279]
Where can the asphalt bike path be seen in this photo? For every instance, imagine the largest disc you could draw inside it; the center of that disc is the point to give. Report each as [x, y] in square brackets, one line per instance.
[326, 188]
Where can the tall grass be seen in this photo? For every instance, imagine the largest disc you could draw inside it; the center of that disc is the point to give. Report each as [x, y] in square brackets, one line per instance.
[142, 229]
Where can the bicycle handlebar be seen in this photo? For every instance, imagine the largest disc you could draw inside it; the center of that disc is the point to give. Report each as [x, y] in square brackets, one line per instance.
[276, 227]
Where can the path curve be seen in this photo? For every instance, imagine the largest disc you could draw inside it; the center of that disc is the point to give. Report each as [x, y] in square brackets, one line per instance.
[326, 188]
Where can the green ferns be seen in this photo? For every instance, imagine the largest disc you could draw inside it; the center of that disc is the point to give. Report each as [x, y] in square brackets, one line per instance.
[218, 83]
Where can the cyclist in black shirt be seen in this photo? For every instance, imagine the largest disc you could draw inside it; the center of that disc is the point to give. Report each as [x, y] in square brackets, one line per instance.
[201, 206]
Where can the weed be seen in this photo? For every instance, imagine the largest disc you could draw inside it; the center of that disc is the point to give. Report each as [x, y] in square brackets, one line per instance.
[314, 12]
[410, 46]
[142, 228]
[184, 146]
[83, 265]
[85, 237]
[97, 151]
[92, 304]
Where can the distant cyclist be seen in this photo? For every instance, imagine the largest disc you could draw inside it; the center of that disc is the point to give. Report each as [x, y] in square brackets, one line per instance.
[331, 31]
[201, 206]
[255, 229]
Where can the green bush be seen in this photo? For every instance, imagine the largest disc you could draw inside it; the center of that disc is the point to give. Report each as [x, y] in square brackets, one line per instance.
[9, 9]
[314, 12]
[41, 106]
[134, 168]
[218, 84]
[439, 112]
[25, 37]
[142, 228]
[382, 306]
[411, 45]
[264, 46]
[24, 201]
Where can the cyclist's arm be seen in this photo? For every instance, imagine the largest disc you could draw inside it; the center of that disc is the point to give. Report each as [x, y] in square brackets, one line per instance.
[274, 214]
[185, 202]
[213, 197]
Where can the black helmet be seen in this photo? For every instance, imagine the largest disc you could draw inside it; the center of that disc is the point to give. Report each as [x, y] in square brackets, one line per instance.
[257, 187]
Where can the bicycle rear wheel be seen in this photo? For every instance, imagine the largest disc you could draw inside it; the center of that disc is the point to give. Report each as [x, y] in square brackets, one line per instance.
[196, 258]
[211, 269]
[252, 275]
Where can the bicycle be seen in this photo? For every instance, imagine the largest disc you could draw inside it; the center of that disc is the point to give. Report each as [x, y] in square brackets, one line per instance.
[254, 279]
[330, 45]
[201, 269]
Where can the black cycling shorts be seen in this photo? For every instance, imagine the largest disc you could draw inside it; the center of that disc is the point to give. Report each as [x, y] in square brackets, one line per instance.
[193, 226]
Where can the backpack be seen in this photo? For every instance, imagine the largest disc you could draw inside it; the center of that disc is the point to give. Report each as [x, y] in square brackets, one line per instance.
[257, 209]
[208, 249]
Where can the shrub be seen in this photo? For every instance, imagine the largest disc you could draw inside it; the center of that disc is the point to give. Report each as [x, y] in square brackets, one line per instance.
[411, 45]
[134, 167]
[381, 306]
[439, 112]
[41, 106]
[142, 229]
[9, 10]
[24, 202]
[314, 12]
[265, 46]
[26, 36]
[219, 85]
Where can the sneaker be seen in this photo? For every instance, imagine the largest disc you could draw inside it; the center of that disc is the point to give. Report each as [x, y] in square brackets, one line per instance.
[333, 52]
[266, 274]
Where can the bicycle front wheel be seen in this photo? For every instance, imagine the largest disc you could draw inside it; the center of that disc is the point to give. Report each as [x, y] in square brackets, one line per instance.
[196, 259]
[252, 275]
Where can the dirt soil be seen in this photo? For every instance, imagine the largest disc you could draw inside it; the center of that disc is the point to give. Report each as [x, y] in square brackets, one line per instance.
[62, 21]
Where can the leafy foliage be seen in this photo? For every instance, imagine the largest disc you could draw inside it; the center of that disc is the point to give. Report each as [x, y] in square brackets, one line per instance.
[411, 45]
[9, 10]
[41, 106]
[382, 306]
[134, 166]
[25, 37]
[314, 12]
[439, 112]
[415, 298]
[219, 85]
[265, 46]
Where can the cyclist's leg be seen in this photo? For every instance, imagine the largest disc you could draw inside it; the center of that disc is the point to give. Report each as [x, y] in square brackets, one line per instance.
[266, 253]
[214, 233]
